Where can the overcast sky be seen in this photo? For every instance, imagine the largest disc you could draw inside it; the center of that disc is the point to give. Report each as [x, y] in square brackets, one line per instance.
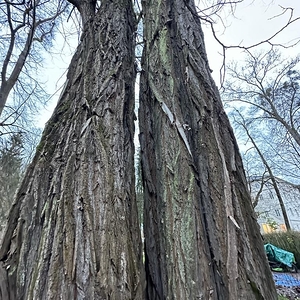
[253, 21]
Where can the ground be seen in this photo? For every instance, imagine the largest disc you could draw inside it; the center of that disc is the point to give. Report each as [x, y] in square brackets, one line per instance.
[287, 285]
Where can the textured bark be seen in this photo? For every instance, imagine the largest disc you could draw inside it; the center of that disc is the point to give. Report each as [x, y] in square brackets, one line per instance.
[73, 230]
[201, 237]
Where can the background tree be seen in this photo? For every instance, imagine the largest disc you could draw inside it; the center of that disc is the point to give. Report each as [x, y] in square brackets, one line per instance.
[240, 121]
[73, 230]
[28, 28]
[270, 85]
[199, 222]
[267, 86]
[11, 151]
[283, 153]
[262, 182]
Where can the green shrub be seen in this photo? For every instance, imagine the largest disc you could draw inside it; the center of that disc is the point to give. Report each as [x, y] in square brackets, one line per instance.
[282, 298]
[289, 241]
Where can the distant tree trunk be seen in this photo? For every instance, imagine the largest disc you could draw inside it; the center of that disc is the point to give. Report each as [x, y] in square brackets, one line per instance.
[73, 231]
[281, 202]
[201, 237]
[272, 178]
[262, 181]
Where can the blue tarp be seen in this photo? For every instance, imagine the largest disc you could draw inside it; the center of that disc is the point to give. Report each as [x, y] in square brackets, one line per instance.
[285, 280]
[279, 255]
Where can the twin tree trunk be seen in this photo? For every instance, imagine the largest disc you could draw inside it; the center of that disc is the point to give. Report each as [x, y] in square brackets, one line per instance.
[73, 230]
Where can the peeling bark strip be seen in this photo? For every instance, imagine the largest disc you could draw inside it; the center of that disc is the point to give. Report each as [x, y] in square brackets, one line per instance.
[73, 231]
[201, 237]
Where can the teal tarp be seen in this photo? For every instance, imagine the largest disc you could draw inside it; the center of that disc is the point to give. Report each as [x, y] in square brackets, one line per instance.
[279, 255]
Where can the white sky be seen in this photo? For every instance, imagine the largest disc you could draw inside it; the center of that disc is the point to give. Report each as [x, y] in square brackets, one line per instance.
[253, 22]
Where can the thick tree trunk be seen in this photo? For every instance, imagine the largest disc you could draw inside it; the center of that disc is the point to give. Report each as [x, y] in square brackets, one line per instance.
[201, 237]
[73, 231]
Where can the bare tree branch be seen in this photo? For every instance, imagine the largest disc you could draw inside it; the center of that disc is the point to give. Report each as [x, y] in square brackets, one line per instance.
[215, 8]
[38, 26]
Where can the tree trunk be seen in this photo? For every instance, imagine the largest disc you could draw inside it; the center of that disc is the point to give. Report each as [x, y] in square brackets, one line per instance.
[73, 231]
[201, 237]
[281, 202]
